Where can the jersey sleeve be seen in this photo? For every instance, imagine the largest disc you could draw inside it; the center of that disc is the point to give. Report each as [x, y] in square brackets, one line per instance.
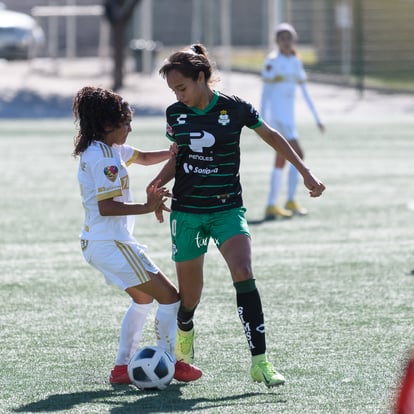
[251, 116]
[106, 178]
[301, 76]
[169, 130]
[128, 154]
[265, 101]
[269, 71]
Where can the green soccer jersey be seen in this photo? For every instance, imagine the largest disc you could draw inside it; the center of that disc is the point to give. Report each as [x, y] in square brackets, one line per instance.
[208, 160]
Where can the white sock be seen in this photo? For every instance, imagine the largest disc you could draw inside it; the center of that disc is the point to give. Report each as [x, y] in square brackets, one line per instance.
[166, 326]
[276, 179]
[131, 331]
[293, 179]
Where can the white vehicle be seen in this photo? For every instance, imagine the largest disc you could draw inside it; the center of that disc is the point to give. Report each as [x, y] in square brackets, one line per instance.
[20, 35]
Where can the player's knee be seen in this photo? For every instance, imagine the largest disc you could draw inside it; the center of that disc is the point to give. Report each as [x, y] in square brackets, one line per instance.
[241, 272]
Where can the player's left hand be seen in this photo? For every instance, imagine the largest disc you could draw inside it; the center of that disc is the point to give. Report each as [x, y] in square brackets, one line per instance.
[314, 185]
[173, 149]
[159, 212]
[322, 128]
[156, 196]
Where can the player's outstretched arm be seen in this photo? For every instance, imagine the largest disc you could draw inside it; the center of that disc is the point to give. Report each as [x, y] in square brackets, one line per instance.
[156, 197]
[311, 106]
[155, 157]
[166, 174]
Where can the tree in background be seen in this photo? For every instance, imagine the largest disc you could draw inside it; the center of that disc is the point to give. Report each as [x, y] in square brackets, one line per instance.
[119, 13]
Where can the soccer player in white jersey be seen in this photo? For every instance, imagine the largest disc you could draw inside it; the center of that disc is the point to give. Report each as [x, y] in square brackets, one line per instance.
[107, 241]
[282, 71]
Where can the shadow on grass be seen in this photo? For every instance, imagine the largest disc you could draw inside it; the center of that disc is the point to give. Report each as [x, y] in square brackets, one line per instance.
[256, 222]
[146, 402]
[267, 220]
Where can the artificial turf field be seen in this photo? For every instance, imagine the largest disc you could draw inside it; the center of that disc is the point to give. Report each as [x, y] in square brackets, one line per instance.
[336, 285]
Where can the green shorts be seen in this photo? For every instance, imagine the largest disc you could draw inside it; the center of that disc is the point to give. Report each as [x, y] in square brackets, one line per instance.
[191, 233]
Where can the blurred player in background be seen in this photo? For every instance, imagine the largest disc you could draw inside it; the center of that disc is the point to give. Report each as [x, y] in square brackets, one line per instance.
[207, 197]
[107, 240]
[282, 71]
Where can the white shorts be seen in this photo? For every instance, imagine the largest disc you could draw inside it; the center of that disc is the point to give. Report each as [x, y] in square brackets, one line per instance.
[286, 129]
[123, 264]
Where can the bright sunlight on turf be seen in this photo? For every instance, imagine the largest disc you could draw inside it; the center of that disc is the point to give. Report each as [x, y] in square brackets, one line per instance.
[336, 285]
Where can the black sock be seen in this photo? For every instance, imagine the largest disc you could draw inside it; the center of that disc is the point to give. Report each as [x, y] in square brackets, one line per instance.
[249, 308]
[185, 318]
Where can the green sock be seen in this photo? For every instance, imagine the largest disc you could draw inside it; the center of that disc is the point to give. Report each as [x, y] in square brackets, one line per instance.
[245, 286]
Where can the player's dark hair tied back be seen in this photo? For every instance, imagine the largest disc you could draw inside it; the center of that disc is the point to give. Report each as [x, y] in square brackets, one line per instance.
[189, 62]
[199, 49]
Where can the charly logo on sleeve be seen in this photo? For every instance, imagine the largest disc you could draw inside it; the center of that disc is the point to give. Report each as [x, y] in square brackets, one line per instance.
[111, 172]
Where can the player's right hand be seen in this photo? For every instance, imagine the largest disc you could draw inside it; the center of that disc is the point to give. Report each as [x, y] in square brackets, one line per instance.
[156, 197]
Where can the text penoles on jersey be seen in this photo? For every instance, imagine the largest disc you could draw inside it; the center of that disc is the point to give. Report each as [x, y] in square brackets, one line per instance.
[208, 159]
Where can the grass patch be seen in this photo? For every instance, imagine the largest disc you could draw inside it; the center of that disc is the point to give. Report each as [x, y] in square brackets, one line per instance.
[336, 285]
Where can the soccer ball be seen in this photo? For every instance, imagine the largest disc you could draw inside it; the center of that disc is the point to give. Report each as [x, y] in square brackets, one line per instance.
[151, 367]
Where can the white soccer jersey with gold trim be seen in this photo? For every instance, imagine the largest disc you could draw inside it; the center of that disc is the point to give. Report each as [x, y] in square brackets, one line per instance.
[103, 174]
[280, 76]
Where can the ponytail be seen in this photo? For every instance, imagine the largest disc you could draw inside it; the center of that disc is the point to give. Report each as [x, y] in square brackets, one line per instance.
[189, 62]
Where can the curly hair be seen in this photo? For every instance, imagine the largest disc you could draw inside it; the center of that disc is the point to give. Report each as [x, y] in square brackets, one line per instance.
[95, 110]
[190, 62]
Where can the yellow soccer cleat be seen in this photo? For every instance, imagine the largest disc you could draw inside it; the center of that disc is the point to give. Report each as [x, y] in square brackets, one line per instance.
[265, 372]
[184, 346]
[295, 208]
[275, 212]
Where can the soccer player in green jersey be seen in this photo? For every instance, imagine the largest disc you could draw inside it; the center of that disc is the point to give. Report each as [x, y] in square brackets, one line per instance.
[207, 197]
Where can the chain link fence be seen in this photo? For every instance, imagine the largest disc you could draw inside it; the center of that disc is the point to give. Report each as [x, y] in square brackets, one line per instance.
[365, 43]
[360, 43]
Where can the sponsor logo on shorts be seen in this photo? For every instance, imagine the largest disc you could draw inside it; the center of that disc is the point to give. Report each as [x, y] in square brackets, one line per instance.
[203, 241]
